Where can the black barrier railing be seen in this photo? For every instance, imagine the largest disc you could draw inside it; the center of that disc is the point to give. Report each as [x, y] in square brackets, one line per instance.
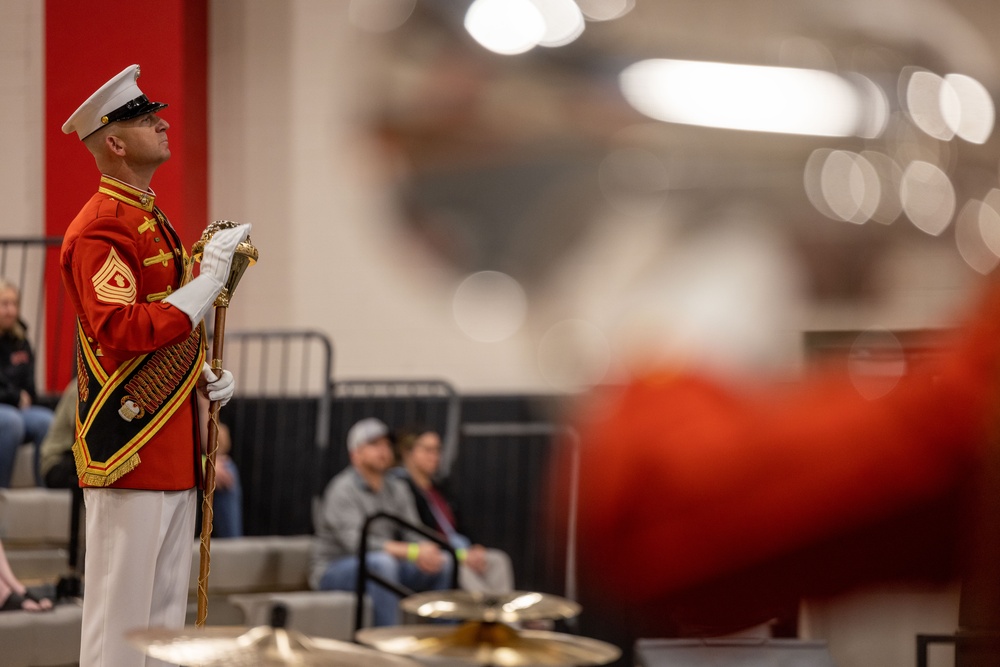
[280, 423]
[517, 500]
[431, 402]
[364, 575]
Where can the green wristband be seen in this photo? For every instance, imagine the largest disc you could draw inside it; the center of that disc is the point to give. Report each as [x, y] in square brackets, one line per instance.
[412, 551]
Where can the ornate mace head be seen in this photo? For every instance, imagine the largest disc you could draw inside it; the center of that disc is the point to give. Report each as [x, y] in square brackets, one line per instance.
[245, 256]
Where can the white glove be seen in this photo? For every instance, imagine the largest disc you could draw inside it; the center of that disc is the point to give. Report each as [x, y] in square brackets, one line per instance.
[217, 256]
[218, 388]
[196, 298]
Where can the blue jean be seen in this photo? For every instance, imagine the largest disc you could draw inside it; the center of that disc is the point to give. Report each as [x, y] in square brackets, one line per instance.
[18, 426]
[342, 575]
[227, 506]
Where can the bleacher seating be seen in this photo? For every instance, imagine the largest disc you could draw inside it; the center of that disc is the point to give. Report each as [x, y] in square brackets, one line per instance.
[248, 575]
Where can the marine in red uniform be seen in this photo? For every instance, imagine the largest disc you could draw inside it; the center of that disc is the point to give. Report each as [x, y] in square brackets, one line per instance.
[706, 507]
[140, 357]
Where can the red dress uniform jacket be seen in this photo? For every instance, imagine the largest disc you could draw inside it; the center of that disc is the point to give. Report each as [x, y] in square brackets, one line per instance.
[120, 258]
[707, 508]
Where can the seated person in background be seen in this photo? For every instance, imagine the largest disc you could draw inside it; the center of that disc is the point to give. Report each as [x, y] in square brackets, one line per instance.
[21, 420]
[482, 569]
[58, 467]
[227, 500]
[353, 495]
[13, 594]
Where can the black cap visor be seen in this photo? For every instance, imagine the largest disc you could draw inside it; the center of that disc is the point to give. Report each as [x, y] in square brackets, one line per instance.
[132, 109]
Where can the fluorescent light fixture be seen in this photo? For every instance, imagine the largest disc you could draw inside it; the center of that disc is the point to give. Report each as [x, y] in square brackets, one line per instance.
[507, 27]
[744, 97]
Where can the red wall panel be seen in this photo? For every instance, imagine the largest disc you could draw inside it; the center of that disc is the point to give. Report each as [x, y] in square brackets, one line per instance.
[86, 43]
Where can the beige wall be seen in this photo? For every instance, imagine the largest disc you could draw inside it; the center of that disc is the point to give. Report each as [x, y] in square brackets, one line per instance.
[289, 154]
[21, 109]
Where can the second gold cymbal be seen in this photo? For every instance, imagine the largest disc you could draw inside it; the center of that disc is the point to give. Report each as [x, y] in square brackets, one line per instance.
[491, 607]
[489, 644]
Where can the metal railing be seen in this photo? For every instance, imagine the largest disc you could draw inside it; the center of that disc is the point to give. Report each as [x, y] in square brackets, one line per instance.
[364, 575]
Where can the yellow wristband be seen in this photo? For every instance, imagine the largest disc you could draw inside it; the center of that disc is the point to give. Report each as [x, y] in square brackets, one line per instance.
[412, 551]
[461, 554]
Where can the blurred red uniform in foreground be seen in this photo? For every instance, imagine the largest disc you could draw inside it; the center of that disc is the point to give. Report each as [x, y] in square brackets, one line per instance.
[705, 507]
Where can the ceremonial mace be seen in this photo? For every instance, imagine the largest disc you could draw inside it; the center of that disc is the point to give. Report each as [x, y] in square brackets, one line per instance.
[244, 256]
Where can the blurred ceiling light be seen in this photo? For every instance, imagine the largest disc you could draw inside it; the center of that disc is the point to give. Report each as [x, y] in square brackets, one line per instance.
[563, 21]
[889, 176]
[812, 180]
[850, 186]
[574, 355]
[744, 97]
[507, 27]
[928, 197]
[976, 223]
[605, 10]
[489, 306]
[380, 15]
[924, 102]
[876, 113]
[967, 108]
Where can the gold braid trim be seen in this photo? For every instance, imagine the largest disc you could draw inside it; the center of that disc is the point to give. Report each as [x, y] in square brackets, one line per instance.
[154, 383]
[91, 479]
[82, 386]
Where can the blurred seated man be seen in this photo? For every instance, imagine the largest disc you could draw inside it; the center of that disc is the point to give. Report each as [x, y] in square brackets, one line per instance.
[356, 493]
[482, 569]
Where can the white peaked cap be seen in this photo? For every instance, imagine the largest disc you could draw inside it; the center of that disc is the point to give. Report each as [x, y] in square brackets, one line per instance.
[118, 99]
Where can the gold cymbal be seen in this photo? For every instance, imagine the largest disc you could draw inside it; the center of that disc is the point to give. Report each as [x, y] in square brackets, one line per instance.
[491, 607]
[264, 646]
[489, 644]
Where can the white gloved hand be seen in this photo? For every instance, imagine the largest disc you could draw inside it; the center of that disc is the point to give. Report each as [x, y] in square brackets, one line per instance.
[218, 388]
[217, 256]
[196, 298]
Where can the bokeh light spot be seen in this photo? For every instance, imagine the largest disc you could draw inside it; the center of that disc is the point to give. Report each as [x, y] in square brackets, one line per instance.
[380, 15]
[850, 186]
[489, 306]
[973, 223]
[923, 100]
[967, 108]
[928, 197]
[507, 27]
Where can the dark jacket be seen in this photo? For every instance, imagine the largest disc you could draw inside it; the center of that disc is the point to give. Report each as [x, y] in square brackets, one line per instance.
[17, 368]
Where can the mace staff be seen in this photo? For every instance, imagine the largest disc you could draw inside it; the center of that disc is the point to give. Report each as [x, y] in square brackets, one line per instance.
[244, 256]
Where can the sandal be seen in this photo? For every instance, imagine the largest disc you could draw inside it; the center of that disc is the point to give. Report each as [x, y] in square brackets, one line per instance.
[15, 602]
[12, 603]
[28, 595]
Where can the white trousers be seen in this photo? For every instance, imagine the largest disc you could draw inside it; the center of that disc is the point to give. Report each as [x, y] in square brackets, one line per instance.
[138, 567]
